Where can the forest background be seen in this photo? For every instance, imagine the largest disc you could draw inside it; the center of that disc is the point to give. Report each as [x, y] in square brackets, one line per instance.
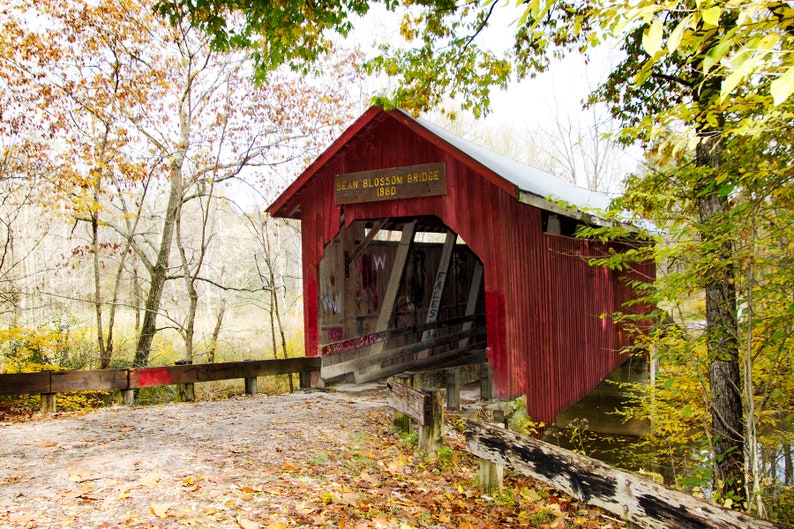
[138, 152]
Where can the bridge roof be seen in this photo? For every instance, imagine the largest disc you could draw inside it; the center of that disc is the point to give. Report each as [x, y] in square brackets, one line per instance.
[525, 177]
[527, 184]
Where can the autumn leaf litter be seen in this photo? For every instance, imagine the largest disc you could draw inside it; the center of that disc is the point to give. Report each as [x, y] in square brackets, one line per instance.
[307, 459]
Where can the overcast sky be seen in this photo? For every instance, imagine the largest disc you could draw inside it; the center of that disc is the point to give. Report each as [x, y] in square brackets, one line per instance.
[530, 107]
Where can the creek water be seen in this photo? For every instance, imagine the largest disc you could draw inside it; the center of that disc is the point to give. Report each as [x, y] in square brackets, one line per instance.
[594, 427]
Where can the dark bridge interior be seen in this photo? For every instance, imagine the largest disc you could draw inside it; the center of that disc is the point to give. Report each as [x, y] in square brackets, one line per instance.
[397, 295]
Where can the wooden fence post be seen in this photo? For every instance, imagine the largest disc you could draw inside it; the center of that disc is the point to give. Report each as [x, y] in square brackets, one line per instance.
[400, 421]
[250, 385]
[185, 392]
[48, 404]
[453, 388]
[128, 397]
[431, 434]
[492, 474]
[486, 381]
[426, 407]
[46, 393]
[497, 414]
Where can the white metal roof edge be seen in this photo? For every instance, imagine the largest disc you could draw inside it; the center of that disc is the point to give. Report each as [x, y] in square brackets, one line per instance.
[531, 181]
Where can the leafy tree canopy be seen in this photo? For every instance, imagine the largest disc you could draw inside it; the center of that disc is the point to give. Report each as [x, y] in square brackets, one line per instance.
[277, 33]
[442, 56]
[745, 43]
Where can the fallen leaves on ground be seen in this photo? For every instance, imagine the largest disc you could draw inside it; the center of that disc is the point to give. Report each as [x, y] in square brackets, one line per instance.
[274, 463]
[380, 481]
[160, 509]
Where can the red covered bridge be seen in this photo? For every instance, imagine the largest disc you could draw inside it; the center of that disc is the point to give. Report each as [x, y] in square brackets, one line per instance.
[421, 249]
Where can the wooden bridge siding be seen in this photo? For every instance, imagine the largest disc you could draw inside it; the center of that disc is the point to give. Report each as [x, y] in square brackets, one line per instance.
[583, 343]
[565, 349]
[553, 346]
[586, 345]
[556, 346]
[473, 209]
[383, 146]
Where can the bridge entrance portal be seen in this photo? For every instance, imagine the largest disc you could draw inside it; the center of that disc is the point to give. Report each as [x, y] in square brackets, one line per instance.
[399, 295]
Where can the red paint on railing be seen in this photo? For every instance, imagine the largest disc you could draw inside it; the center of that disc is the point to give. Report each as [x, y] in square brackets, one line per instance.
[154, 376]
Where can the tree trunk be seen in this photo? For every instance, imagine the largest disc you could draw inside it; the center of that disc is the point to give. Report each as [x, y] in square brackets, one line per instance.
[105, 352]
[136, 297]
[106, 344]
[189, 328]
[721, 327]
[213, 349]
[160, 269]
[104, 356]
[114, 307]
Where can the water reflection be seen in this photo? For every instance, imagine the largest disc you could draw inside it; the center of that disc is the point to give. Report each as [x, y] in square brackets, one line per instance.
[594, 427]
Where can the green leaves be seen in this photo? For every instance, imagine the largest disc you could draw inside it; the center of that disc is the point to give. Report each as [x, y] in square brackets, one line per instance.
[652, 37]
[711, 16]
[444, 62]
[293, 33]
[677, 34]
[782, 87]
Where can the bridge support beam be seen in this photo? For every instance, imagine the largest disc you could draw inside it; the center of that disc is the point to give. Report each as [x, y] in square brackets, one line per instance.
[389, 299]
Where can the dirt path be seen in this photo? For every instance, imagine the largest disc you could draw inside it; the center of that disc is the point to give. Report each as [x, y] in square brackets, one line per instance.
[120, 467]
[318, 459]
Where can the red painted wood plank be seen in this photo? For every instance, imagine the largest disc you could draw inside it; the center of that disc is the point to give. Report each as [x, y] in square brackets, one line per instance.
[153, 376]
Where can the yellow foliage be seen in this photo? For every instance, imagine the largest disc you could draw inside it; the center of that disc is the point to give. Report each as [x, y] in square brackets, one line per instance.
[28, 350]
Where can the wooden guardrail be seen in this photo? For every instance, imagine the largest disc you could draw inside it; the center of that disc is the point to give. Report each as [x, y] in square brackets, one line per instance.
[354, 356]
[351, 344]
[126, 380]
[426, 407]
[633, 498]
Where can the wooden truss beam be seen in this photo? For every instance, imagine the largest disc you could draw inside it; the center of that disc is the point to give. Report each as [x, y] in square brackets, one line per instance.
[397, 270]
[471, 303]
[363, 245]
[438, 285]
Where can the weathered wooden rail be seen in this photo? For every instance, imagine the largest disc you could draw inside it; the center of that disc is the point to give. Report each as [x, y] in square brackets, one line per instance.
[366, 358]
[126, 380]
[629, 496]
[633, 498]
[426, 406]
[351, 344]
